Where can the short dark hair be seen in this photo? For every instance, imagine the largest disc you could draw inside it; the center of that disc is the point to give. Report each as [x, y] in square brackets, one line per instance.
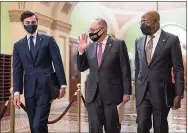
[27, 14]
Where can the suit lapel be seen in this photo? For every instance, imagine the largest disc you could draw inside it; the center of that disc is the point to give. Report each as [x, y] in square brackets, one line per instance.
[143, 44]
[39, 40]
[106, 50]
[26, 48]
[162, 40]
[95, 53]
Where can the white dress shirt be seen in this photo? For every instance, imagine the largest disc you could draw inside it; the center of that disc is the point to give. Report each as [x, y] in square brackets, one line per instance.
[155, 41]
[103, 44]
[34, 41]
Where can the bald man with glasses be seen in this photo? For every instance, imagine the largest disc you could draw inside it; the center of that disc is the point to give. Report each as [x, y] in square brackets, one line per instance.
[156, 53]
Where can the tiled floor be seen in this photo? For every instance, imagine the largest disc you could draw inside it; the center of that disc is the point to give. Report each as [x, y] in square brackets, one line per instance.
[177, 120]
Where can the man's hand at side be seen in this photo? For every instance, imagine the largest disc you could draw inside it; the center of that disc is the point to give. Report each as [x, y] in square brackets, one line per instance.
[61, 93]
[17, 101]
[126, 98]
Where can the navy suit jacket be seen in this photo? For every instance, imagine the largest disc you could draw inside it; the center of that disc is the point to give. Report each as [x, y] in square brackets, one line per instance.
[28, 72]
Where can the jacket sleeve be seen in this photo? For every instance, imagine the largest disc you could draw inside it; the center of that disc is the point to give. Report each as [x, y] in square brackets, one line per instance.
[17, 71]
[178, 69]
[82, 61]
[125, 68]
[57, 61]
[137, 67]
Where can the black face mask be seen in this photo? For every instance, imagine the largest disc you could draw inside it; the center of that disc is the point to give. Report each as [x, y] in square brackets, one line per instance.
[31, 28]
[94, 36]
[146, 29]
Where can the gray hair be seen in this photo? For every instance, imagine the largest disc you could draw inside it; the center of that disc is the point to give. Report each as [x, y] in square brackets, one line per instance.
[101, 22]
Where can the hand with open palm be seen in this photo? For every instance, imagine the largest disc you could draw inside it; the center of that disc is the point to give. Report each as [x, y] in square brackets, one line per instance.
[83, 42]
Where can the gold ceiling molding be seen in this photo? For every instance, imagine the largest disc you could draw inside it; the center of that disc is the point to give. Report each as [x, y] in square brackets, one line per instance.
[44, 20]
[61, 26]
[21, 5]
[46, 3]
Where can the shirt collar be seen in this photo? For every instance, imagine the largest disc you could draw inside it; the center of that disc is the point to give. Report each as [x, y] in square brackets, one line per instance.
[34, 35]
[157, 34]
[105, 40]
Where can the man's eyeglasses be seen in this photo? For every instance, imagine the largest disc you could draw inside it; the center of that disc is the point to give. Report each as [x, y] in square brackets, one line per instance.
[92, 30]
[144, 22]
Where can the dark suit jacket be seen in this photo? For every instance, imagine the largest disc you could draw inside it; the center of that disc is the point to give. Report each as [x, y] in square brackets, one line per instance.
[33, 70]
[113, 77]
[158, 73]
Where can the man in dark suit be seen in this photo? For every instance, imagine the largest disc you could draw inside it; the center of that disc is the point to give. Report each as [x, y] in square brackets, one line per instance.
[109, 80]
[32, 59]
[156, 53]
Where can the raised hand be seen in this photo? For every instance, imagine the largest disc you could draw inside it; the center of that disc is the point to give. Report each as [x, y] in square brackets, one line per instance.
[83, 42]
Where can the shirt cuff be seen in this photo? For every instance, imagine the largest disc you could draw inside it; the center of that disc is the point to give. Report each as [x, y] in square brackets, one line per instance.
[63, 86]
[127, 94]
[16, 93]
[81, 53]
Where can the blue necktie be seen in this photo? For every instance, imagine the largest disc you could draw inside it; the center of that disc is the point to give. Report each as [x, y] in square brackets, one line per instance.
[32, 47]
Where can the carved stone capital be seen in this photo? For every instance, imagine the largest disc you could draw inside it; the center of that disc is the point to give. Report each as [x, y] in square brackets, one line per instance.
[14, 15]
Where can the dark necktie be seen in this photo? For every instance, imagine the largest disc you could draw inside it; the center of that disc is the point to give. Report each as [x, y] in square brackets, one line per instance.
[99, 54]
[32, 47]
[149, 49]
